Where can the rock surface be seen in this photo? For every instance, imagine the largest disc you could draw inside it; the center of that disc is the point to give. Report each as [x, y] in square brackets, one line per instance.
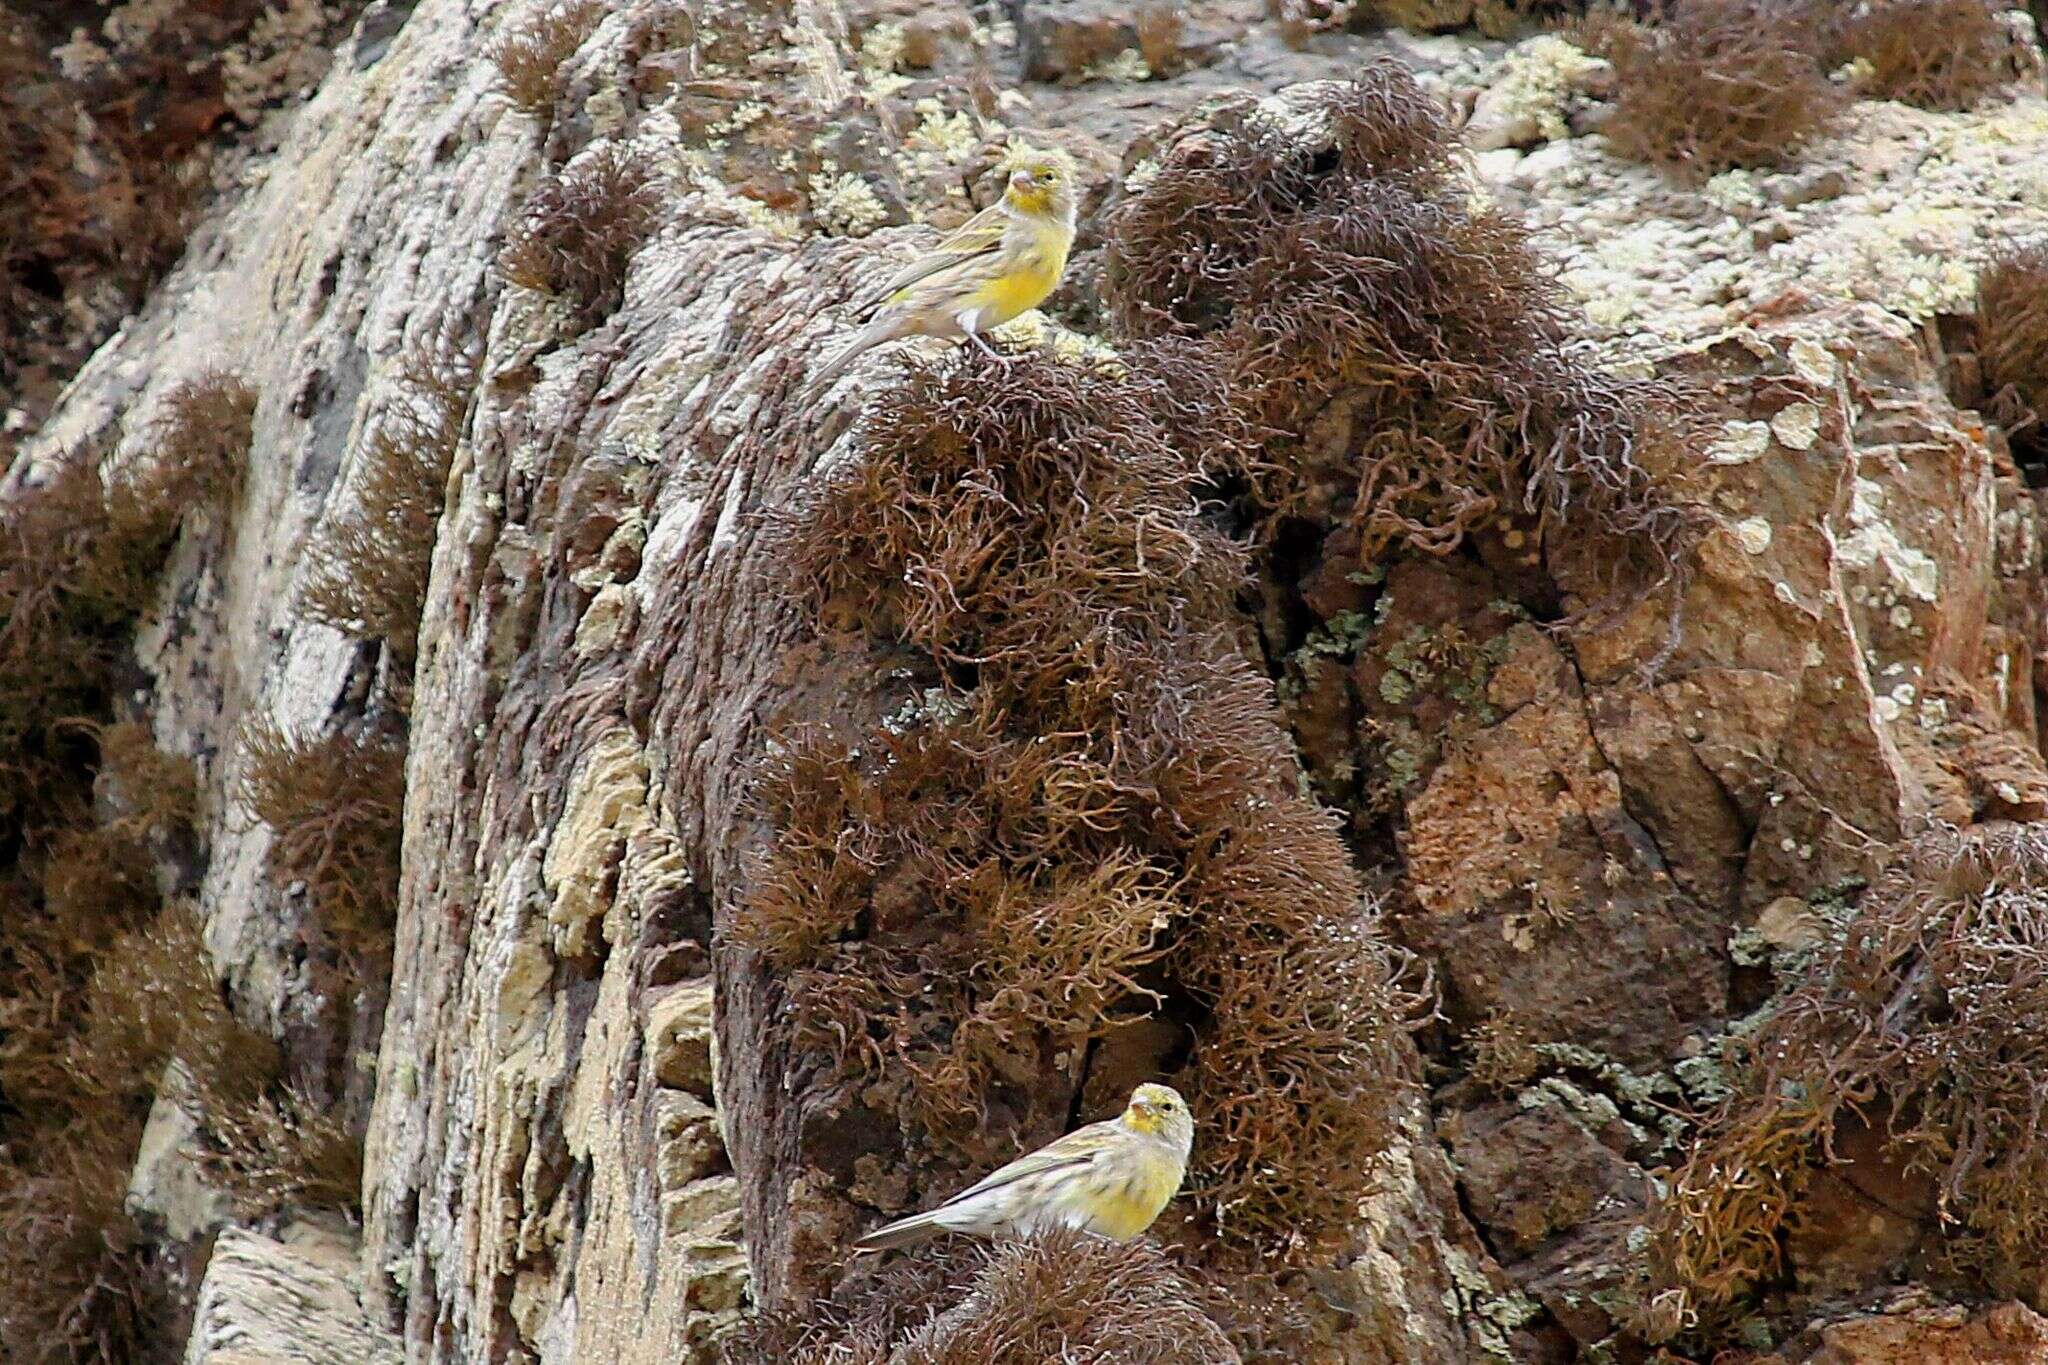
[288, 1301]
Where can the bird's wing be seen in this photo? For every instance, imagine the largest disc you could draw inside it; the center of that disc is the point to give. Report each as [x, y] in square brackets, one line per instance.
[978, 236]
[1077, 1149]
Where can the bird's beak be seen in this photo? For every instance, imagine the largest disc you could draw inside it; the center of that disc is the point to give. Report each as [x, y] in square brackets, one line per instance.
[1023, 180]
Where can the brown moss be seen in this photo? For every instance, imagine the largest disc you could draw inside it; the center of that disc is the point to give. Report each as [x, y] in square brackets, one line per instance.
[75, 566]
[1301, 20]
[89, 210]
[154, 1000]
[1925, 1016]
[154, 997]
[1095, 817]
[1405, 351]
[1159, 29]
[1937, 54]
[576, 235]
[1070, 1296]
[1063, 1296]
[97, 881]
[81, 547]
[864, 1316]
[154, 793]
[1503, 1052]
[89, 891]
[91, 887]
[335, 807]
[530, 56]
[368, 566]
[200, 441]
[76, 1283]
[282, 1151]
[2012, 344]
[1711, 85]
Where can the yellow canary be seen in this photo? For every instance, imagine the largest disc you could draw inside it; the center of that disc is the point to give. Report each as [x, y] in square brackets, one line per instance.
[1003, 261]
[1111, 1178]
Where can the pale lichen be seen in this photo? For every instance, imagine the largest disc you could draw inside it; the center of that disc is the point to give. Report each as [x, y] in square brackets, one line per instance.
[1875, 541]
[844, 205]
[1740, 443]
[1536, 81]
[1797, 426]
[1126, 66]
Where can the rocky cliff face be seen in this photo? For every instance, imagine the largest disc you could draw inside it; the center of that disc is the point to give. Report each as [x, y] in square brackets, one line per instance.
[1646, 657]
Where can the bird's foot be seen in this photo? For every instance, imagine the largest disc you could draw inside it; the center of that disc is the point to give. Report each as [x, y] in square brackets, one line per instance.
[991, 352]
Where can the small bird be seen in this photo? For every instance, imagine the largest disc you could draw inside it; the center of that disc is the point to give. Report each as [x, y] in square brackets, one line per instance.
[1110, 1178]
[1001, 262]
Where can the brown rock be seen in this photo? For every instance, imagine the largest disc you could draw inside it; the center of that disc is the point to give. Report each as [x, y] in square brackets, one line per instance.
[1529, 1173]
[2008, 1334]
[1540, 892]
[1068, 40]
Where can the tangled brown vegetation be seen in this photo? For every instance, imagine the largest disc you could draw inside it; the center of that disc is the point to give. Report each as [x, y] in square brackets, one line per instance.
[530, 55]
[105, 151]
[1062, 1296]
[576, 235]
[101, 989]
[367, 568]
[1089, 816]
[82, 206]
[77, 1286]
[1925, 1021]
[1069, 1296]
[335, 807]
[201, 438]
[1403, 352]
[1938, 54]
[1710, 85]
[2012, 345]
[80, 550]
[1301, 20]
[76, 1277]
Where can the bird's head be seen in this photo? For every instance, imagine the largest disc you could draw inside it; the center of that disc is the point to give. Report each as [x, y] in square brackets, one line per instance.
[1159, 1111]
[1041, 183]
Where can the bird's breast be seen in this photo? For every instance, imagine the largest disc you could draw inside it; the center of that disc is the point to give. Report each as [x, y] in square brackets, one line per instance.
[1028, 277]
[1127, 1206]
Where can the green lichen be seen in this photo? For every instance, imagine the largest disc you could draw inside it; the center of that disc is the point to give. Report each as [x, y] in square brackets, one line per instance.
[1836, 902]
[1339, 637]
[1400, 751]
[1705, 1079]
[1492, 1316]
[1749, 948]
[1645, 1103]
[1593, 1111]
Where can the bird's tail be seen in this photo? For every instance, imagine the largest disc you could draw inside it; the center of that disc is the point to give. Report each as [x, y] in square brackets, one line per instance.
[903, 1232]
[870, 336]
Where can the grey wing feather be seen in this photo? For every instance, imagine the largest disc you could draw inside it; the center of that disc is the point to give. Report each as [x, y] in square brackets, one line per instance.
[981, 235]
[1017, 1170]
[920, 1226]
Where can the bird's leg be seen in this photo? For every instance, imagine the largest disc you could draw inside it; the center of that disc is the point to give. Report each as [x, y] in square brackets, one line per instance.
[991, 352]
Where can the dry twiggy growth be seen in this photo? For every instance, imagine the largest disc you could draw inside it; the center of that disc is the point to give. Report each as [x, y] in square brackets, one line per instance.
[368, 566]
[1924, 1019]
[335, 806]
[530, 56]
[577, 233]
[1714, 84]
